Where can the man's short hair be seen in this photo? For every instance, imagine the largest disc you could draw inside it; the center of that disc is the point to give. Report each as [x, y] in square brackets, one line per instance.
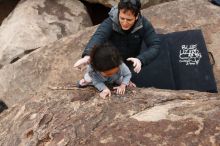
[133, 5]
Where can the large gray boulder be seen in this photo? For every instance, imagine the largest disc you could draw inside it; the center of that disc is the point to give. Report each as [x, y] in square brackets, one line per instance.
[52, 64]
[47, 66]
[146, 117]
[34, 24]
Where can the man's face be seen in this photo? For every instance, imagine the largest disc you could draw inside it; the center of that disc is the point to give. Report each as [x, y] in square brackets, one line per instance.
[126, 19]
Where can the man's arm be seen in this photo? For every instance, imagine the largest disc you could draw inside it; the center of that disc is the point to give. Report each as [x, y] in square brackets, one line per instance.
[152, 43]
[101, 35]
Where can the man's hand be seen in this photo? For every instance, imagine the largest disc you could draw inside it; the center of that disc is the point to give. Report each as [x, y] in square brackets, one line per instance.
[106, 92]
[83, 61]
[136, 64]
[120, 89]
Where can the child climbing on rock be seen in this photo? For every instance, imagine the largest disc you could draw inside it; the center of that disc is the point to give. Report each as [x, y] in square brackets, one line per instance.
[106, 67]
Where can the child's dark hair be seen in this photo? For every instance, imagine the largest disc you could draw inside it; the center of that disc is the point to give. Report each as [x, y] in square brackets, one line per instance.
[133, 5]
[105, 57]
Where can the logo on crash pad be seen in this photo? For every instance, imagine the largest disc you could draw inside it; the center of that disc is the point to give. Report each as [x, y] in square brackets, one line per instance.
[190, 55]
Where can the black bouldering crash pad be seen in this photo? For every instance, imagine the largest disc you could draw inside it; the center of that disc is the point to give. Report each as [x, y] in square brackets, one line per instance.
[216, 2]
[183, 64]
[158, 73]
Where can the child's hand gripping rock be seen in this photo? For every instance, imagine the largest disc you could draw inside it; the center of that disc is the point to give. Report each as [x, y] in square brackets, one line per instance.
[106, 92]
[120, 89]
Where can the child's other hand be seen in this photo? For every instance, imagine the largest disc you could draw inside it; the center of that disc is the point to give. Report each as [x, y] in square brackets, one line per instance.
[106, 92]
[120, 89]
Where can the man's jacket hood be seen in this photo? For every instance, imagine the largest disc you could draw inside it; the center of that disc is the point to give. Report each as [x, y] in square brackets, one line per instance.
[113, 14]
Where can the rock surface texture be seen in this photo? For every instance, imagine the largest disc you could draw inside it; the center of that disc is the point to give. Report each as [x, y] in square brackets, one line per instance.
[33, 24]
[140, 117]
[51, 65]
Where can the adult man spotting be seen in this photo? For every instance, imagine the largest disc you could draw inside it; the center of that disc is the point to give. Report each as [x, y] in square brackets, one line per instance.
[127, 30]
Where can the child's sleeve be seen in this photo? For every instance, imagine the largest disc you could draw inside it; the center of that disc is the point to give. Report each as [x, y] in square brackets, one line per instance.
[125, 73]
[96, 80]
[99, 84]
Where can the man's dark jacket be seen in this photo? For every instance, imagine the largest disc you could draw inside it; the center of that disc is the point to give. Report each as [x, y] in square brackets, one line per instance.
[128, 44]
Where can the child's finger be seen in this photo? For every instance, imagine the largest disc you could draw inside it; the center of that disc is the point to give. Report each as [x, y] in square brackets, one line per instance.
[120, 91]
[117, 91]
[101, 95]
[78, 68]
[123, 92]
[109, 94]
[115, 88]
